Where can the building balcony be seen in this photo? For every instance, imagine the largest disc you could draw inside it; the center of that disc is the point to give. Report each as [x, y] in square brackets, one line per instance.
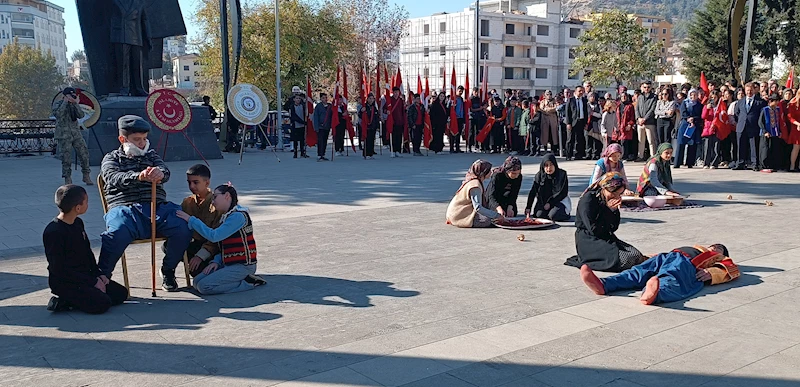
[517, 61]
[517, 83]
[519, 38]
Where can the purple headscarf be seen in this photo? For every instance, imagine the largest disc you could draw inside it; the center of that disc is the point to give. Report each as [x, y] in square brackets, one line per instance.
[610, 150]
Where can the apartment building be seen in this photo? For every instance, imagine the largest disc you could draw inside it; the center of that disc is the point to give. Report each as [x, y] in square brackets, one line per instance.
[527, 45]
[35, 23]
[186, 71]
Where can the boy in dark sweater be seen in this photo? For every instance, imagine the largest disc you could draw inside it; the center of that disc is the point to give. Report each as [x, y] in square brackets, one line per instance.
[74, 277]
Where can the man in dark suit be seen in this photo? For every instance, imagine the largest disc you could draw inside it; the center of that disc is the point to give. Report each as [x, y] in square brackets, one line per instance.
[577, 117]
[747, 112]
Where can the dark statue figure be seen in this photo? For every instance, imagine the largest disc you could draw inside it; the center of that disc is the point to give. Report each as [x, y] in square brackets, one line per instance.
[124, 40]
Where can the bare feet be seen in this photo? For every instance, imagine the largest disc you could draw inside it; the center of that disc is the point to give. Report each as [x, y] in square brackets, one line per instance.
[592, 282]
[650, 291]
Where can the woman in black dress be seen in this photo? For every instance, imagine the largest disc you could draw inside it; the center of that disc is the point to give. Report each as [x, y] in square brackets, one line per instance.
[439, 113]
[504, 186]
[596, 221]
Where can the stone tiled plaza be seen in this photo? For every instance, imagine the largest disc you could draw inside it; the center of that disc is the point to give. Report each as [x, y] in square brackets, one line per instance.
[367, 286]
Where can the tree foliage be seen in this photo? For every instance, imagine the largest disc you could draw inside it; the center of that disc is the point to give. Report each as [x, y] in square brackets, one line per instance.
[29, 79]
[707, 48]
[617, 49]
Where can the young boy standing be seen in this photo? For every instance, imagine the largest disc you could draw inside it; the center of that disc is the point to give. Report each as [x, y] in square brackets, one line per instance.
[74, 277]
[199, 205]
[772, 125]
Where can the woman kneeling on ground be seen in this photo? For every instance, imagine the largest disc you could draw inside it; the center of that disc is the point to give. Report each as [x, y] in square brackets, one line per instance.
[503, 188]
[610, 161]
[468, 206]
[656, 178]
[550, 188]
[233, 269]
[596, 221]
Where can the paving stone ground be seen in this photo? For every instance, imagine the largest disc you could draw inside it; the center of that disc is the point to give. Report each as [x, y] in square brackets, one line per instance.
[367, 286]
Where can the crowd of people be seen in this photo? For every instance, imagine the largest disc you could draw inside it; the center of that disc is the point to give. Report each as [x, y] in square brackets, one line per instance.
[756, 126]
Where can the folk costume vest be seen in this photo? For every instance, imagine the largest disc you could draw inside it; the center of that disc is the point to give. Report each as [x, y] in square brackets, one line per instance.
[240, 247]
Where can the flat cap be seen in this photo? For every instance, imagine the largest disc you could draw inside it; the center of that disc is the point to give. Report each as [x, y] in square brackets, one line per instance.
[132, 124]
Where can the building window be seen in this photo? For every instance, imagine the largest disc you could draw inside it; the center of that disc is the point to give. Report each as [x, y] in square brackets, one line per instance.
[541, 73]
[652, 30]
[185, 68]
[442, 27]
[484, 50]
[573, 76]
[508, 73]
[480, 74]
[509, 51]
[484, 28]
[542, 52]
[574, 33]
[663, 50]
[186, 78]
[442, 50]
[510, 29]
[426, 52]
[441, 71]
[572, 53]
[527, 52]
[543, 30]
[426, 29]
[526, 74]
[528, 31]
[664, 31]
[197, 63]
[663, 40]
[196, 73]
[426, 72]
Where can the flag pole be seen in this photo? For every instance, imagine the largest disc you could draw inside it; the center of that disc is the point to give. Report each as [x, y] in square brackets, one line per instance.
[278, 73]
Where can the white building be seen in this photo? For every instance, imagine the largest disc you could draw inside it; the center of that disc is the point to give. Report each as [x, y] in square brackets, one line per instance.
[186, 71]
[35, 23]
[174, 46]
[78, 68]
[525, 43]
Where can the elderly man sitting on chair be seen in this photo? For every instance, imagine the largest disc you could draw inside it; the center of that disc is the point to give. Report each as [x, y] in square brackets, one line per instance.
[128, 173]
[668, 277]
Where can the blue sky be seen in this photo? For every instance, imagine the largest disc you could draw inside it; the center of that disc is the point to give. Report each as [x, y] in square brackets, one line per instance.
[416, 8]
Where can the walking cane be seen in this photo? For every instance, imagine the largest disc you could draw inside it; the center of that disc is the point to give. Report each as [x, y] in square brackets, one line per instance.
[153, 236]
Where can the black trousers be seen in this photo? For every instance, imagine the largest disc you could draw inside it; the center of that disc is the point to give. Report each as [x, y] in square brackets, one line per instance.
[576, 143]
[594, 147]
[385, 134]
[455, 141]
[416, 137]
[498, 137]
[369, 142]
[322, 141]
[89, 299]
[437, 140]
[725, 149]
[299, 140]
[747, 154]
[691, 155]
[557, 213]
[397, 138]
[712, 153]
[475, 126]
[664, 130]
[770, 150]
[338, 138]
[628, 149]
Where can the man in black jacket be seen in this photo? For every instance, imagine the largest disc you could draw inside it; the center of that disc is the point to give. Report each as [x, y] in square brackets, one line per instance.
[747, 112]
[577, 117]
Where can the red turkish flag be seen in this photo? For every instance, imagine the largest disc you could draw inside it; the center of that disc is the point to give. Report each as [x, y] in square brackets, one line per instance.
[388, 98]
[790, 80]
[336, 102]
[453, 119]
[348, 122]
[704, 87]
[466, 114]
[311, 136]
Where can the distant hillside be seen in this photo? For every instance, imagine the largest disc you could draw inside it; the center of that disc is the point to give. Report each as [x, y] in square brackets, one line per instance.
[679, 12]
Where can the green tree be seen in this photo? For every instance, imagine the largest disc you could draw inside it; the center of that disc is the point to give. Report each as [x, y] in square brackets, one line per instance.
[707, 49]
[617, 49]
[313, 38]
[28, 81]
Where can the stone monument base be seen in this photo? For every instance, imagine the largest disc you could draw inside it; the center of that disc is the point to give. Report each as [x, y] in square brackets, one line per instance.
[200, 132]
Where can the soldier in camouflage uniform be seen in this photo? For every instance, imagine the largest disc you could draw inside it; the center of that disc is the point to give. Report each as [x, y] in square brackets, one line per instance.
[68, 136]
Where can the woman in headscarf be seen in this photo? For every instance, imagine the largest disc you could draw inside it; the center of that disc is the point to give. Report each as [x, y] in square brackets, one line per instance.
[689, 130]
[468, 206]
[550, 187]
[656, 178]
[596, 221]
[610, 161]
[793, 113]
[503, 188]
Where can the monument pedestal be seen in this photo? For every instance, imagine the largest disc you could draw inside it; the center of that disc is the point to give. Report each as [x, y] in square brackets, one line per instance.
[200, 132]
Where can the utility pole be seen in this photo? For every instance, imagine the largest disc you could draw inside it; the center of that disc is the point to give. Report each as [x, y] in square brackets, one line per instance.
[278, 75]
[746, 65]
[226, 71]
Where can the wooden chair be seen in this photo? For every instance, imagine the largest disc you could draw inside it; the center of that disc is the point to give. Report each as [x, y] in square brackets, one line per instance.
[101, 187]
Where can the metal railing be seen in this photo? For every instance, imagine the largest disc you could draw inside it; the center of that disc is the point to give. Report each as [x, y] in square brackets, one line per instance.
[27, 136]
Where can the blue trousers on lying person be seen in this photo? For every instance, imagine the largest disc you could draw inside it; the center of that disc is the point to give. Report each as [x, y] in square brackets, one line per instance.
[676, 275]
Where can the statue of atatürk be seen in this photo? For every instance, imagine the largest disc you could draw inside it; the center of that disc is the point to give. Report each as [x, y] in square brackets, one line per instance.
[129, 36]
[124, 40]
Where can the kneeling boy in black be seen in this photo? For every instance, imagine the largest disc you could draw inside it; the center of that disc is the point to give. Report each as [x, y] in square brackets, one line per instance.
[74, 277]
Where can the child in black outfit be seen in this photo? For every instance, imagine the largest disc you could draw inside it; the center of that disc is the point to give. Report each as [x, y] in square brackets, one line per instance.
[74, 277]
